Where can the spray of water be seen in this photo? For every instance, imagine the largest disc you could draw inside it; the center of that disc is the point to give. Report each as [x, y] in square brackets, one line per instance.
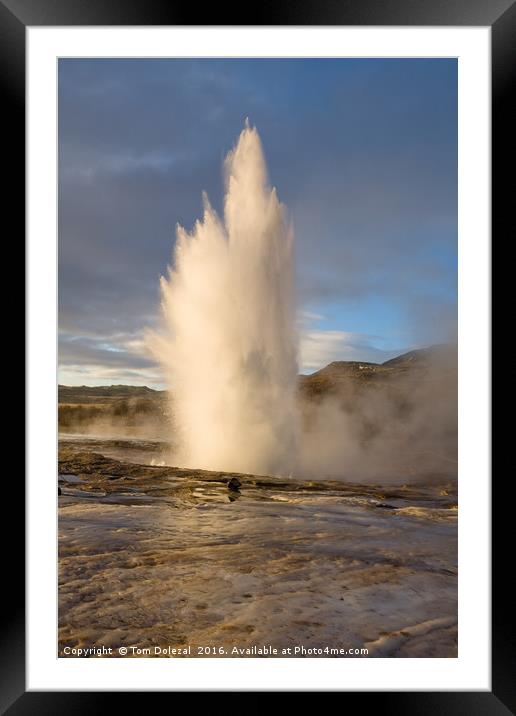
[230, 345]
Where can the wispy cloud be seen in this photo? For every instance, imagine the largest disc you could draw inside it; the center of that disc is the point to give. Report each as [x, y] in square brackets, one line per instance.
[304, 317]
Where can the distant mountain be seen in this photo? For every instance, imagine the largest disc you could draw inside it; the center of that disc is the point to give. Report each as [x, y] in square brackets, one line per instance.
[104, 393]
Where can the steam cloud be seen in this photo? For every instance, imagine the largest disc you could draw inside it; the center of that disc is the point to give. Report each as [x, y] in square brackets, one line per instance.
[229, 351]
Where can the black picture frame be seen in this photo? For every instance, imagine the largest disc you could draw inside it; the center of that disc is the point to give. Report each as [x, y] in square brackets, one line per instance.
[500, 15]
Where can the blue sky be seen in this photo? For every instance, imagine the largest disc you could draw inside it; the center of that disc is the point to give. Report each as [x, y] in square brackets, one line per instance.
[363, 152]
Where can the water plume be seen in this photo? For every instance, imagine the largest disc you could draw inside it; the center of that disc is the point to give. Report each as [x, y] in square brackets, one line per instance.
[229, 349]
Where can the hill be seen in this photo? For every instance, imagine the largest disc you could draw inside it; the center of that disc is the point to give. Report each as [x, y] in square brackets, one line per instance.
[100, 394]
[433, 363]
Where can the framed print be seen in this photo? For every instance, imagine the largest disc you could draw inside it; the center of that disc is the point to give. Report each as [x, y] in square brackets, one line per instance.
[258, 365]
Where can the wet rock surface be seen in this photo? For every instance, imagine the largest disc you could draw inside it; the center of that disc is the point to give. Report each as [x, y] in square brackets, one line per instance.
[156, 555]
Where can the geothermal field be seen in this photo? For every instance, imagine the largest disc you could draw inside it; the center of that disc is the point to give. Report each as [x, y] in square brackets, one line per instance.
[247, 510]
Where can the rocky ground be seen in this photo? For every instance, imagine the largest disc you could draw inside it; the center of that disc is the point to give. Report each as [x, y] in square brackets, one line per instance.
[155, 556]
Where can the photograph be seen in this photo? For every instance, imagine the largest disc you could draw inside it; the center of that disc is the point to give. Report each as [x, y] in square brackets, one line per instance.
[257, 357]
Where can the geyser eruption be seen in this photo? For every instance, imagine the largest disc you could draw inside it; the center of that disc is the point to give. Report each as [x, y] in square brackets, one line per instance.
[230, 347]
